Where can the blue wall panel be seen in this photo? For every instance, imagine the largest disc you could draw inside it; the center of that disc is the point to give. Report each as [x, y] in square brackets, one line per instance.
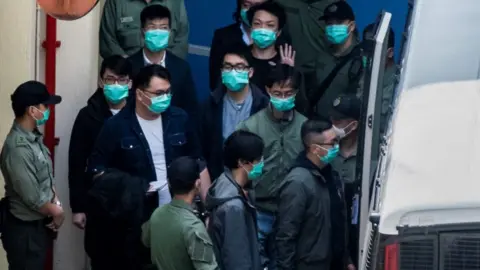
[207, 15]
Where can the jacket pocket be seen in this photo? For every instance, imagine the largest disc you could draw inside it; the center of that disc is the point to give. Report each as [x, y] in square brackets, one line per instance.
[130, 37]
[129, 143]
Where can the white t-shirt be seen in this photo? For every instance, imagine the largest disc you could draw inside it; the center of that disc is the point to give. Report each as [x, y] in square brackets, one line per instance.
[114, 111]
[153, 131]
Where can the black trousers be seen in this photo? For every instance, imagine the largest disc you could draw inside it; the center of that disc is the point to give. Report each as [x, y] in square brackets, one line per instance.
[26, 243]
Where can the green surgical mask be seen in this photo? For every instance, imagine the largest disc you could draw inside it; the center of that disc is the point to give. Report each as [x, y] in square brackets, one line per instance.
[115, 93]
[243, 15]
[234, 80]
[256, 171]
[160, 104]
[283, 104]
[44, 119]
[263, 37]
[156, 40]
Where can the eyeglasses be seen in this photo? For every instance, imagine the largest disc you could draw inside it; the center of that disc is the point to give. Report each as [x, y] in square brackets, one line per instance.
[113, 80]
[237, 68]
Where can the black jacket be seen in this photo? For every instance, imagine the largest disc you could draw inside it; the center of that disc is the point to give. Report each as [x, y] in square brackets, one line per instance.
[86, 128]
[227, 38]
[211, 128]
[116, 212]
[308, 224]
[184, 94]
[233, 225]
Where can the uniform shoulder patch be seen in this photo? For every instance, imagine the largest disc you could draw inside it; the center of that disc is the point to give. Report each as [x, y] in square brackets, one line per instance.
[333, 8]
[21, 141]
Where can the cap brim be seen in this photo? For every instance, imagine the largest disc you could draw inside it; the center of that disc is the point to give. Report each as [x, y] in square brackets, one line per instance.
[53, 100]
[322, 18]
[336, 115]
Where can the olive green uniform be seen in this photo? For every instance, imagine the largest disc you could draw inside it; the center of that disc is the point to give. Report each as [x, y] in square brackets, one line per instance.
[178, 239]
[27, 169]
[120, 27]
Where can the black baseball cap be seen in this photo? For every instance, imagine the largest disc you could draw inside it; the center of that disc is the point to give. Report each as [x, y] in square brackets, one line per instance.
[340, 10]
[346, 106]
[33, 93]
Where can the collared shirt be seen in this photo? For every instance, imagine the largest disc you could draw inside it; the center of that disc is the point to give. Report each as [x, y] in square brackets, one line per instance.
[245, 36]
[189, 245]
[27, 169]
[148, 62]
[234, 113]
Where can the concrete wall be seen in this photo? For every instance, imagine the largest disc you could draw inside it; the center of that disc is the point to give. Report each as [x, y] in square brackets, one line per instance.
[17, 55]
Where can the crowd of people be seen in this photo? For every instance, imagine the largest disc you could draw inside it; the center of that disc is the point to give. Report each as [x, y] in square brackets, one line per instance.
[260, 175]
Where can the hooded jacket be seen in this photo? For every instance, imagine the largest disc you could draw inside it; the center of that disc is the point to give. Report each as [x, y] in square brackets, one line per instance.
[311, 219]
[232, 225]
[85, 130]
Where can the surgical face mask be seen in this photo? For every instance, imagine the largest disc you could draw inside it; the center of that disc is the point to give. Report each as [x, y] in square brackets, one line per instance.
[263, 37]
[160, 104]
[234, 80]
[156, 40]
[44, 119]
[364, 61]
[243, 15]
[256, 172]
[283, 104]
[115, 93]
[337, 33]
[332, 153]
[340, 132]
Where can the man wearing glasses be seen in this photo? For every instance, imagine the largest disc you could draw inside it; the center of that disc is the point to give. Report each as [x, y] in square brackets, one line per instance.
[279, 126]
[144, 138]
[108, 100]
[232, 102]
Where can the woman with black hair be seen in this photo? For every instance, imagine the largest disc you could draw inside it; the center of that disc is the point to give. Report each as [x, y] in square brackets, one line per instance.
[236, 35]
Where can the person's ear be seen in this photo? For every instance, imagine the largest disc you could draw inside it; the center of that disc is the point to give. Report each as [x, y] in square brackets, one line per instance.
[198, 184]
[352, 26]
[354, 126]
[279, 32]
[250, 72]
[139, 94]
[269, 89]
[130, 84]
[100, 83]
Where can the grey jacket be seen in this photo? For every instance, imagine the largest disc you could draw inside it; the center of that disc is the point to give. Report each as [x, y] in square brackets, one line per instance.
[232, 225]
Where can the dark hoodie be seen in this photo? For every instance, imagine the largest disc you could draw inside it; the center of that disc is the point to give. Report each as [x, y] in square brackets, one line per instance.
[232, 225]
[311, 219]
[85, 130]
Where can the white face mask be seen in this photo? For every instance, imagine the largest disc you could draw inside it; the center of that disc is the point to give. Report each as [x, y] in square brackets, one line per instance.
[340, 132]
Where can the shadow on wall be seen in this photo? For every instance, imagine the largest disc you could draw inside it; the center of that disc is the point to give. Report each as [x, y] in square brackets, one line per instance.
[207, 15]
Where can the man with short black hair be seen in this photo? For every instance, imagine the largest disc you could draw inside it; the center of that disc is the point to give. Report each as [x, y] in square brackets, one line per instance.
[109, 98]
[146, 136]
[177, 237]
[156, 22]
[278, 126]
[232, 224]
[120, 27]
[267, 21]
[31, 206]
[311, 204]
[231, 103]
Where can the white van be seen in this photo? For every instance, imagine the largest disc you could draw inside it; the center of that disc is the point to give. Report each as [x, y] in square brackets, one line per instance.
[426, 206]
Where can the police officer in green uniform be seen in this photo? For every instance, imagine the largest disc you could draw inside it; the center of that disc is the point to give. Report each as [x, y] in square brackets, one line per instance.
[120, 29]
[345, 116]
[33, 211]
[177, 237]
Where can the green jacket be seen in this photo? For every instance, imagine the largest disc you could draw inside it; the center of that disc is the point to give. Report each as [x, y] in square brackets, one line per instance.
[178, 239]
[306, 30]
[120, 27]
[27, 169]
[282, 146]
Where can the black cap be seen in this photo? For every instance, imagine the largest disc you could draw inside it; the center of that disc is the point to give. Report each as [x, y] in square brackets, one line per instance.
[346, 107]
[340, 10]
[33, 93]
